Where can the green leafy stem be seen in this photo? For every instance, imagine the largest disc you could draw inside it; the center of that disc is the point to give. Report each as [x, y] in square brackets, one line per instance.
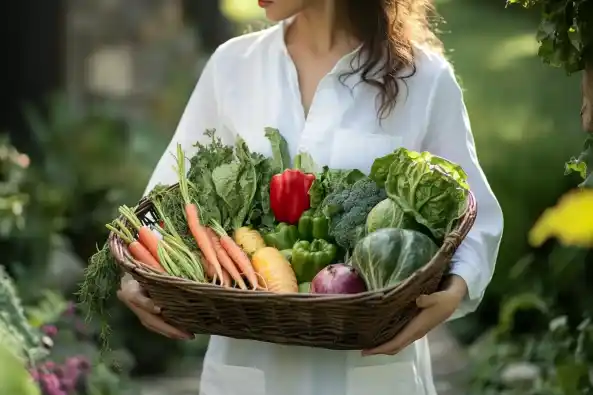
[565, 32]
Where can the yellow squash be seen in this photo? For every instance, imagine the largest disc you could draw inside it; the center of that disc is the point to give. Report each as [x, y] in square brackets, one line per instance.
[249, 240]
[274, 270]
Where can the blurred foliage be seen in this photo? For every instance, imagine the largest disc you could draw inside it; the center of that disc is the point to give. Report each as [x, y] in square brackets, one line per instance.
[14, 378]
[13, 167]
[565, 32]
[51, 344]
[543, 343]
[16, 334]
[565, 37]
[522, 139]
[87, 169]
[91, 163]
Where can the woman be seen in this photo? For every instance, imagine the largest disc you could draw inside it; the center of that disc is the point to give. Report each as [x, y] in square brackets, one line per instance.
[346, 81]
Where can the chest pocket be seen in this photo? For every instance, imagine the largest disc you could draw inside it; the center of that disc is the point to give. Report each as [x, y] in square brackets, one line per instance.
[357, 149]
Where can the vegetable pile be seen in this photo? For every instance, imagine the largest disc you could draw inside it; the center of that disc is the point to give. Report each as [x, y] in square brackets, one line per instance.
[237, 219]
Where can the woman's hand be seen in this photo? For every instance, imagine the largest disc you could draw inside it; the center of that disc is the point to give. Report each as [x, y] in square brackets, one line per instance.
[436, 308]
[132, 295]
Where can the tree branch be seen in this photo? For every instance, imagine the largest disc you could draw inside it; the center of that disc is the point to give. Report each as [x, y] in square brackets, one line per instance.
[587, 92]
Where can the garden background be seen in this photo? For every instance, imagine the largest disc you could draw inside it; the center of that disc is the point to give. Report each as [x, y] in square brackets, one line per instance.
[84, 140]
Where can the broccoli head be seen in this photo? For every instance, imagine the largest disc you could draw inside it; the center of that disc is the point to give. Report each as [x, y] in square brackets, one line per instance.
[347, 210]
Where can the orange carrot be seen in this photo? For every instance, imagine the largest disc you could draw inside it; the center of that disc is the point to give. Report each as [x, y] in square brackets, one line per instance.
[209, 269]
[192, 217]
[145, 234]
[224, 259]
[147, 237]
[226, 282]
[141, 254]
[236, 254]
[226, 279]
[138, 251]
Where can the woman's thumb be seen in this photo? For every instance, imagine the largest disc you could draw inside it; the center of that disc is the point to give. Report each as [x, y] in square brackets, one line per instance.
[424, 301]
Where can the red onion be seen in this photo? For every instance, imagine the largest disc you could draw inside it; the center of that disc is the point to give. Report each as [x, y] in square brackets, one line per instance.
[338, 279]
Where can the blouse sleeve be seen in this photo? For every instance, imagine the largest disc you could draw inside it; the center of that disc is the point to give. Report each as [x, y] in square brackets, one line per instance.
[449, 136]
[202, 112]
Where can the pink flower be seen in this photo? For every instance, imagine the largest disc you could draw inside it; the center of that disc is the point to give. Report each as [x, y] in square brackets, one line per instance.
[35, 374]
[49, 365]
[80, 327]
[70, 309]
[22, 160]
[50, 330]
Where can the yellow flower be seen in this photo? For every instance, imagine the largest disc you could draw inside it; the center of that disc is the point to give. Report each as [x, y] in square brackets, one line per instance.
[570, 221]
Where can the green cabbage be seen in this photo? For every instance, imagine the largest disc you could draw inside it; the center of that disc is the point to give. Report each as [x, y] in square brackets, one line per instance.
[389, 256]
[430, 188]
[387, 214]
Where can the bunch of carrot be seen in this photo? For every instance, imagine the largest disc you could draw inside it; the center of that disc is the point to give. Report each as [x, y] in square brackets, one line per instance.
[224, 260]
[144, 248]
[163, 250]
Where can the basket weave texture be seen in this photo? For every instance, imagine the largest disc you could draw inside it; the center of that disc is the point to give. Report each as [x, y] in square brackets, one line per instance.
[337, 322]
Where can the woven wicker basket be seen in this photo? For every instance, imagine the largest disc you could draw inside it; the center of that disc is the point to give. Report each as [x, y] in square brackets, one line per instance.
[340, 322]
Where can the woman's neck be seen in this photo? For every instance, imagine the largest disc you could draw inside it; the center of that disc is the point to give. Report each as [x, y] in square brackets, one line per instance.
[321, 29]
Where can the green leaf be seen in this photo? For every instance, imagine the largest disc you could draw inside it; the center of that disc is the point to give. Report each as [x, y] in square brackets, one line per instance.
[380, 168]
[14, 378]
[572, 377]
[525, 301]
[304, 161]
[583, 164]
[575, 165]
[280, 154]
[431, 189]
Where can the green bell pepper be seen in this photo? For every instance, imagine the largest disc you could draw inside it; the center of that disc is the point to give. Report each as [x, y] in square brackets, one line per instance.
[313, 226]
[283, 237]
[308, 258]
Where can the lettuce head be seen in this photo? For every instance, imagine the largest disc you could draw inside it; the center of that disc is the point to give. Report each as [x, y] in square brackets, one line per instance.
[430, 188]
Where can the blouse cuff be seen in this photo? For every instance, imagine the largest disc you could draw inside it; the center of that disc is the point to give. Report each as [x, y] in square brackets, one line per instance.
[472, 275]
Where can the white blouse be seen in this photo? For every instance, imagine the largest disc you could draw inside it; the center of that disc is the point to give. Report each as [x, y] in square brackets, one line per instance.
[251, 83]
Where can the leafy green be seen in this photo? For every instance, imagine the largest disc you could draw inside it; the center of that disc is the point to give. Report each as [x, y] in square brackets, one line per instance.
[260, 214]
[380, 168]
[208, 157]
[347, 210]
[304, 161]
[583, 165]
[389, 256]
[280, 154]
[329, 180]
[432, 189]
[236, 184]
[388, 214]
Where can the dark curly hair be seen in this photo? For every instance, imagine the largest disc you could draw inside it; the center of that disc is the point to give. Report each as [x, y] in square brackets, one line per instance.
[387, 30]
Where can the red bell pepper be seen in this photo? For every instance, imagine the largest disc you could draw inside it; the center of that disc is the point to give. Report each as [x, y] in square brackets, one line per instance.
[289, 195]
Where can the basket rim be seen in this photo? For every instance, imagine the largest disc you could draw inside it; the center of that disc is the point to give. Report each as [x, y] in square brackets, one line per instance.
[451, 242]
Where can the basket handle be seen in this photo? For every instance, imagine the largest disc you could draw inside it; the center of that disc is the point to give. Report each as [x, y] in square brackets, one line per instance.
[454, 239]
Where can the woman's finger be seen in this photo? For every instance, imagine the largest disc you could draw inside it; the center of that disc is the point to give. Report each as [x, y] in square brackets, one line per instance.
[426, 301]
[156, 324]
[154, 330]
[145, 303]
